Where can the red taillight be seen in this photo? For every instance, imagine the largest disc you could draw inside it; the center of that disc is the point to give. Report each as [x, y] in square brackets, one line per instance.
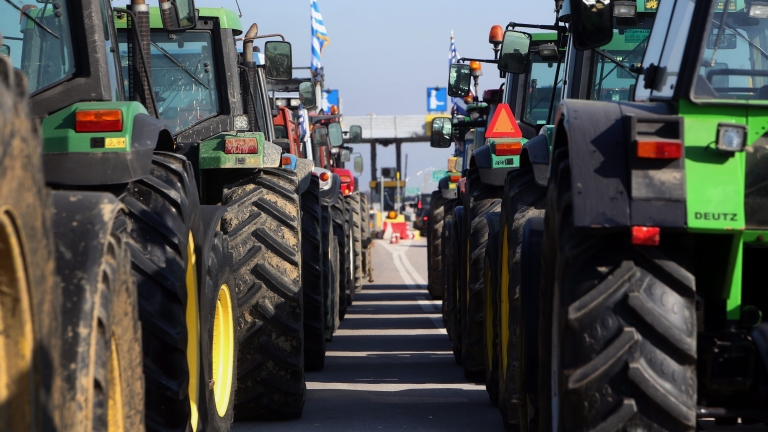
[345, 178]
[324, 176]
[346, 189]
[646, 236]
[455, 179]
[426, 218]
[286, 160]
[660, 149]
[508, 149]
[241, 146]
[99, 121]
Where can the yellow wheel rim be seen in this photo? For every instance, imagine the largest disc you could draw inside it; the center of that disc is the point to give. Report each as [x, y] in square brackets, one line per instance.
[223, 350]
[193, 333]
[17, 385]
[115, 414]
[504, 306]
[488, 319]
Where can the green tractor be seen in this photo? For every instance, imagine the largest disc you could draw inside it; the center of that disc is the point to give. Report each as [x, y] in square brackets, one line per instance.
[215, 100]
[653, 235]
[134, 245]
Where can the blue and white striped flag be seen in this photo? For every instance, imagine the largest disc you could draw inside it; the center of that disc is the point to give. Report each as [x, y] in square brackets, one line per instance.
[453, 57]
[319, 36]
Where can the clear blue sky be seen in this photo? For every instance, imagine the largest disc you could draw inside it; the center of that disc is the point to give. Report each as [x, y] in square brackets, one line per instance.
[384, 54]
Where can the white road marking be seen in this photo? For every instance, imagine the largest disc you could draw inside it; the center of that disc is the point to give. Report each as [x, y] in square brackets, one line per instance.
[390, 291]
[391, 316]
[390, 303]
[386, 387]
[388, 332]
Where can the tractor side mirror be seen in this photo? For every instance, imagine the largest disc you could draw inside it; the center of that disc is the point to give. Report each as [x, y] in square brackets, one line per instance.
[279, 61]
[320, 136]
[355, 134]
[459, 78]
[359, 164]
[5, 51]
[335, 135]
[441, 133]
[178, 14]
[592, 23]
[345, 155]
[514, 52]
[307, 95]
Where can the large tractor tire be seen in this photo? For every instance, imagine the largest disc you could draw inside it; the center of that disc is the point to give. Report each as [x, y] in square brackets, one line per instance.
[218, 311]
[341, 232]
[30, 315]
[452, 277]
[356, 238]
[366, 224]
[473, 297]
[101, 346]
[163, 221]
[312, 277]
[335, 276]
[491, 280]
[445, 235]
[263, 225]
[523, 199]
[330, 288]
[618, 322]
[437, 208]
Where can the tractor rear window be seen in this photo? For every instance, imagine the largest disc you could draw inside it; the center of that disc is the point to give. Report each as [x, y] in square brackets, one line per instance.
[614, 82]
[37, 38]
[539, 95]
[734, 64]
[281, 132]
[183, 77]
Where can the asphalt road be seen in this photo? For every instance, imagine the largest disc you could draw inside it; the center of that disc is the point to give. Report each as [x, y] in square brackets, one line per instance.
[390, 366]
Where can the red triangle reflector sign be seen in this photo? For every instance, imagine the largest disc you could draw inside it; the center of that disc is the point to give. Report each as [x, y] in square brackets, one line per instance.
[503, 124]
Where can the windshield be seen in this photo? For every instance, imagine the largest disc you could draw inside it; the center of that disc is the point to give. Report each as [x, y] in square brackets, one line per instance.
[611, 81]
[734, 64]
[539, 94]
[37, 39]
[281, 132]
[183, 77]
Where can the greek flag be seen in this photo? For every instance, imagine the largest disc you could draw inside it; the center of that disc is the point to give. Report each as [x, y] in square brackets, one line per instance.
[303, 123]
[453, 57]
[319, 36]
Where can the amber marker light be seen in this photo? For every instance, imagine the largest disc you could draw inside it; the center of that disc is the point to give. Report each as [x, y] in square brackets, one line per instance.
[660, 149]
[99, 121]
[509, 149]
[324, 176]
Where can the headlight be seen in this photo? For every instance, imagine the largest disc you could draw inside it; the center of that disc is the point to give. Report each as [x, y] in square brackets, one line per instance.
[625, 9]
[731, 137]
[758, 9]
[242, 123]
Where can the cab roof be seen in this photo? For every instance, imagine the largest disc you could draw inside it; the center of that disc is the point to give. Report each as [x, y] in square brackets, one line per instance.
[227, 19]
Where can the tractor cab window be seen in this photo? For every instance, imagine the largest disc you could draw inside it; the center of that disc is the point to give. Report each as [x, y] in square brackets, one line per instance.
[37, 38]
[734, 62]
[539, 94]
[613, 82]
[281, 132]
[183, 77]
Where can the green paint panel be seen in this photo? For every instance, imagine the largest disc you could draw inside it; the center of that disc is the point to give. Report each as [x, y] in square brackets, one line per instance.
[212, 154]
[544, 37]
[227, 19]
[714, 181]
[504, 162]
[59, 134]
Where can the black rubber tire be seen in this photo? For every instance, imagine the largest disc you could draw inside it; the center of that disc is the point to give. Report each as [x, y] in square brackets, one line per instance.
[162, 216]
[25, 209]
[491, 313]
[366, 225]
[100, 316]
[341, 232]
[330, 289]
[624, 324]
[523, 199]
[453, 276]
[473, 298]
[437, 207]
[263, 225]
[445, 239]
[312, 278]
[356, 238]
[218, 271]
[335, 270]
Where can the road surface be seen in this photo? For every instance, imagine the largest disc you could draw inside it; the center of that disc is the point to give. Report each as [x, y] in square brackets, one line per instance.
[390, 366]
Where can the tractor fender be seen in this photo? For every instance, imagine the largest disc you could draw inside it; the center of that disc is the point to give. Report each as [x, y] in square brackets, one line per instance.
[445, 188]
[272, 155]
[484, 162]
[147, 135]
[536, 151]
[210, 216]
[329, 196]
[304, 172]
[760, 336]
[596, 134]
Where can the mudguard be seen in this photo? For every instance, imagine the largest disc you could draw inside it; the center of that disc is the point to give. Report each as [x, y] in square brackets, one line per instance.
[329, 196]
[489, 175]
[760, 336]
[536, 151]
[210, 216]
[445, 188]
[70, 168]
[598, 136]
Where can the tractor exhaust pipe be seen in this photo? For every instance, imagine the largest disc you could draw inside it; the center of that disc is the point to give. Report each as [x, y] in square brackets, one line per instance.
[250, 35]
